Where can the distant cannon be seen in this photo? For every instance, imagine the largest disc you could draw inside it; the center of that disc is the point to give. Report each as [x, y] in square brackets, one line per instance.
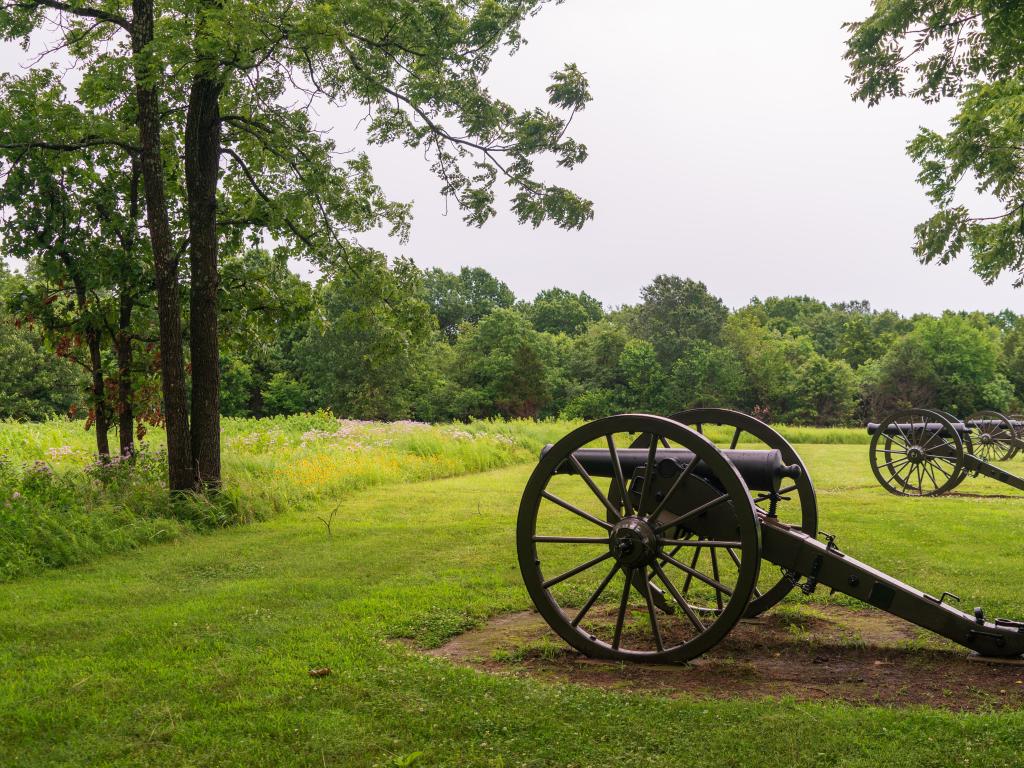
[923, 452]
[615, 569]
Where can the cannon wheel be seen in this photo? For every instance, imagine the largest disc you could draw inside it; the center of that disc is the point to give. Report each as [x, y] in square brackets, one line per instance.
[798, 505]
[994, 440]
[1017, 420]
[913, 461]
[570, 555]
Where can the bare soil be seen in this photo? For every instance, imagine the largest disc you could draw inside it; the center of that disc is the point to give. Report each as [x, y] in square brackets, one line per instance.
[828, 652]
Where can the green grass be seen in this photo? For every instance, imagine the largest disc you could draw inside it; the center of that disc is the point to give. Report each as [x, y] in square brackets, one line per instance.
[196, 652]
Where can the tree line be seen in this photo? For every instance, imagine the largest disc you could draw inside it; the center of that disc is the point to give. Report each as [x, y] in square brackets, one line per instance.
[392, 341]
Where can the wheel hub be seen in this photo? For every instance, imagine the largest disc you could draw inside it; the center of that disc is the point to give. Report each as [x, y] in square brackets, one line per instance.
[986, 438]
[916, 454]
[633, 542]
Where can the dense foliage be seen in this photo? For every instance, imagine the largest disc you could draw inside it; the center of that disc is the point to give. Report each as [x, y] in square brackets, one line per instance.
[390, 341]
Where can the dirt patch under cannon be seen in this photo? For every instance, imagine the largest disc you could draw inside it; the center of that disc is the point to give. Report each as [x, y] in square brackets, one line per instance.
[808, 653]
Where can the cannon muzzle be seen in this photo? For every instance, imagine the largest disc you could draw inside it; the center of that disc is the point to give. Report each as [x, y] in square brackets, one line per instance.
[760, 470]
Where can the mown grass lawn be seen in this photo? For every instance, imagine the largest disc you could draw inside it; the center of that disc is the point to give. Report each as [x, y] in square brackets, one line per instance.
[197, 652]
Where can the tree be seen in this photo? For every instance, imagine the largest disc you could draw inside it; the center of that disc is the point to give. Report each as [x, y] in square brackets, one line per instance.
[644, 376]
[204, 87]
[596, 383]
[770, 361]
[557, 310]
[950, 362]
[74, 218]
[674, 313]
[503, 366]
[706, 375]
[265, 310]
[824, 392]
[972, 51]
[465, 297]
[361, 352]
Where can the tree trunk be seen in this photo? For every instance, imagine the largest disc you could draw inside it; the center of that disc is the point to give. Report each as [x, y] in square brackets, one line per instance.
[100, 407]
[181, 474]
[126, 409]
[202, 164]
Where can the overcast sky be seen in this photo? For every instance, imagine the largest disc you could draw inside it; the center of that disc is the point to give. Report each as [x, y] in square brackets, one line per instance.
[724, 146]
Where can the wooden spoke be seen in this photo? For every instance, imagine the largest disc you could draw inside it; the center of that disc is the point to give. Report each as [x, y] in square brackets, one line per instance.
[575, 510]
[695, 511]
[680, 600]
[578, 569]
[714, 583]
[655, 629]
[627, 504]
[621, 617]
[593, 487]
[680, 479]
[570, 539]
[645, 492]
[597, 593]
[700, 543]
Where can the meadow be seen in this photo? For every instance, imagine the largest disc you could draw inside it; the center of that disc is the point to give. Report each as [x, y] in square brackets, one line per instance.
[197, 649]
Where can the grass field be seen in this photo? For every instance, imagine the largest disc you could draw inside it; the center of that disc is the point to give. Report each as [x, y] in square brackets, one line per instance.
[197, 651]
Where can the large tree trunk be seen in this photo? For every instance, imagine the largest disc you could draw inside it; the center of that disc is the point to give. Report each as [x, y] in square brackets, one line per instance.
[181, 473]
[126, 408]
[123, 340]
[202, 163]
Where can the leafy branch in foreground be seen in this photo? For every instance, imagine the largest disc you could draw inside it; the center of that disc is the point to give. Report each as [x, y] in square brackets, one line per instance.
[973, 52]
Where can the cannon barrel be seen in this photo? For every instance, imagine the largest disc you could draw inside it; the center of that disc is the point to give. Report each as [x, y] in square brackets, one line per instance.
[906, 429]
[993, 423]
[761, 470]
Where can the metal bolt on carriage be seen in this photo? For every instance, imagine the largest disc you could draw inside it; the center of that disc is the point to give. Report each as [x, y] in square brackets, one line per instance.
[644, 538]
[927, 452]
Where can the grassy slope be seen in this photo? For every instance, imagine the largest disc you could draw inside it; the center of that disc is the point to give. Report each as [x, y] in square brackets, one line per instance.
[54, 514]
[196, 652]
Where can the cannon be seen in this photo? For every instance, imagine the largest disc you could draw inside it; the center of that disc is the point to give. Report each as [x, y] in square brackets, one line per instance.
[640, 539]
[924, 452]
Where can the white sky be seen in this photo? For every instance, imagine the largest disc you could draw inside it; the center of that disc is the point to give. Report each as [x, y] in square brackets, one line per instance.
[724, 146]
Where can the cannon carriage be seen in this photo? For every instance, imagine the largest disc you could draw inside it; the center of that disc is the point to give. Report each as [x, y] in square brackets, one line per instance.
[640, 539]
[926, 452]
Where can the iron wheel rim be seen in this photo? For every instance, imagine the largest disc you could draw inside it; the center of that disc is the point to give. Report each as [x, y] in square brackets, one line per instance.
[890, 454]
[995, 435]
[571, 627]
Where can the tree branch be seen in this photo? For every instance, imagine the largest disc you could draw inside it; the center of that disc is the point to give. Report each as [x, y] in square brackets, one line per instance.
[83, 11]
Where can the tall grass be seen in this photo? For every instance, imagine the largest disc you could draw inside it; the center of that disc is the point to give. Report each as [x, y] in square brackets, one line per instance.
[58, 506]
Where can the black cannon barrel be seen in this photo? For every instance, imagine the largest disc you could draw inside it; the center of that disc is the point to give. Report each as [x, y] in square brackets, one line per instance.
[760, 470]
[906, 429]
[993, 423]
